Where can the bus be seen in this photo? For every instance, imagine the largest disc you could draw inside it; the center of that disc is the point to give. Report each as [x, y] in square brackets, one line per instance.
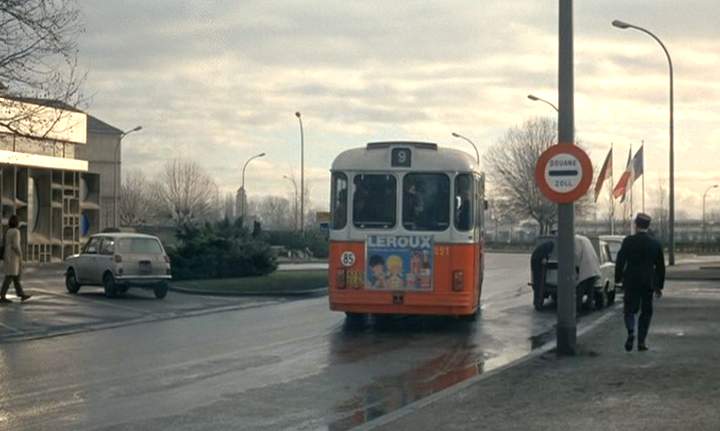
[406, 231]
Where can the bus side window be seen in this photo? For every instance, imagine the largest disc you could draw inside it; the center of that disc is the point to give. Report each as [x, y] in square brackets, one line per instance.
[339, 200]
[463, 202]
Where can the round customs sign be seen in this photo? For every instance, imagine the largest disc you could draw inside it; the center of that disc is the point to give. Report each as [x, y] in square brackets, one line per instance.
[563, 173]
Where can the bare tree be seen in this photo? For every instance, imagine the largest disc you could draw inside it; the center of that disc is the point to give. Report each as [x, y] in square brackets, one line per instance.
[38, 58]
[275, 212]
[511, 170]
[186, 194]
[229, 206]
[135, 201]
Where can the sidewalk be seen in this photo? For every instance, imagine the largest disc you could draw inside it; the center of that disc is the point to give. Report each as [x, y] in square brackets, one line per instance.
[673, 386]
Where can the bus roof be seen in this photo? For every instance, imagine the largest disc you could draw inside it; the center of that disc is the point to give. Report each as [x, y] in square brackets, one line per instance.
[425, 156]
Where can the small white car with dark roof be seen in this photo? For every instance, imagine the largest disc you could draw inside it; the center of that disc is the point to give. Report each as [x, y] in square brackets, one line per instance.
[118, 261]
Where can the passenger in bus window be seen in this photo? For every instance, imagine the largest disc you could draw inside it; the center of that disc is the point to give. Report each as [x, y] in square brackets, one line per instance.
[462, 202]
[414, 206]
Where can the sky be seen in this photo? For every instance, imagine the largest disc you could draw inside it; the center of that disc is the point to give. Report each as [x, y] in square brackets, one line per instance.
[219, 81]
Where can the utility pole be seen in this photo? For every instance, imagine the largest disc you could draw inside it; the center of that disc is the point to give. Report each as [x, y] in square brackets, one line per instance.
[566, 324]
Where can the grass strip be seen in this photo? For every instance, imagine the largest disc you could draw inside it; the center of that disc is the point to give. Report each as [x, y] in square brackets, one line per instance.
[278, 281]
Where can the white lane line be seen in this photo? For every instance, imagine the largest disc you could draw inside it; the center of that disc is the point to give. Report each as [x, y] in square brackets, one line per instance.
[424, 402]
[93, 301]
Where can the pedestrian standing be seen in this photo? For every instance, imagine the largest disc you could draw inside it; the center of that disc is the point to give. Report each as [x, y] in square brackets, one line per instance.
[641, 268]
[13, 262]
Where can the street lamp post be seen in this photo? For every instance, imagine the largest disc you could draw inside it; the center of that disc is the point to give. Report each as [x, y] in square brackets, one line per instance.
[242, 185]
[704, 231]
[671, 219]
[302, 173]
[477, 153]
[539, 99]
[294, 183]
[116, 172]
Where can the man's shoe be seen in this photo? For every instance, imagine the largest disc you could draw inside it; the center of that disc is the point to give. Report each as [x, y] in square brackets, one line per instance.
[24, 298]
[642, 347]
[5, 301]
[629, 343]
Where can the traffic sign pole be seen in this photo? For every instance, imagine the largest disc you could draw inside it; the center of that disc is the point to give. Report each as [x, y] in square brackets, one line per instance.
[566, 324]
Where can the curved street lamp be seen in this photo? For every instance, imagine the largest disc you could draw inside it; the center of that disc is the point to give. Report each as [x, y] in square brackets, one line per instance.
[302, 173]
[294, 183]
[116, 172]
[671, 252]
[477, 153]
[242, 185]
[540, 99]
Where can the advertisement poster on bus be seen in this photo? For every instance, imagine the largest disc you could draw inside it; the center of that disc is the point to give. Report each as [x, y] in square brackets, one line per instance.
[399, 262]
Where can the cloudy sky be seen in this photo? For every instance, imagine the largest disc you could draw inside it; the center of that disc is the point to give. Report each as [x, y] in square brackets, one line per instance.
[219, 81]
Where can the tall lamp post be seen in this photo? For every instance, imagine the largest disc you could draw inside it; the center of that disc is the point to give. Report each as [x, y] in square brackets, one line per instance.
[477, 153]
[671, 254]
[294, 183]
[242, 185]
[704, 232]
[540, 99]
[116, 172]
[302, 173]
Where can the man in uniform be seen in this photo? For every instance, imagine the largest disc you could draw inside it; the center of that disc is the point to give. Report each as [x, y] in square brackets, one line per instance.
[640, 266]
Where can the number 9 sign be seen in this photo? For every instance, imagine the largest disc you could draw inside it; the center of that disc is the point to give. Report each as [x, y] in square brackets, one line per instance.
[347, 258]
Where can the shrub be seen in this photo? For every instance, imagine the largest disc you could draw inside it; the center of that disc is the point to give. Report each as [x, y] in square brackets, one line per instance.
[220, 250]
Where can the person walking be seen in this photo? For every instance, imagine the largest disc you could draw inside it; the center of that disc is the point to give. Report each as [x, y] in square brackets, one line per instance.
[640, 266]
[13, 262]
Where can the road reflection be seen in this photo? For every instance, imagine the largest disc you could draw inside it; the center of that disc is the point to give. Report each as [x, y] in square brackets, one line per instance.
[461, 360]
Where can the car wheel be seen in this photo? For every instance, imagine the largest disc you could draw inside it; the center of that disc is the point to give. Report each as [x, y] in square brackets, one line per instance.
[160, 290]
[579, 300]
[71, 283]
[600, 298]
[109, 285]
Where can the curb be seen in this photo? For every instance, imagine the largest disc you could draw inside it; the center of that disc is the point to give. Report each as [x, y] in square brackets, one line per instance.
[306, 292]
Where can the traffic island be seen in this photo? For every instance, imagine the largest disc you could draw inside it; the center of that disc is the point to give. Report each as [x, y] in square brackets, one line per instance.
[672, 386]
[279, 283]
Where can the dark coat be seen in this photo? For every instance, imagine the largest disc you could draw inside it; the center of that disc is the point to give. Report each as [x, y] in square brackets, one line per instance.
[640, 263]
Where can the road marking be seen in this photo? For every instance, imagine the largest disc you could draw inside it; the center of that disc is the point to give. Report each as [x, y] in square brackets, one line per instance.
[424, 402]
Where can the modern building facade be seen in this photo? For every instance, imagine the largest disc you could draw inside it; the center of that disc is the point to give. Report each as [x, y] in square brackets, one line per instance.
[52, 175]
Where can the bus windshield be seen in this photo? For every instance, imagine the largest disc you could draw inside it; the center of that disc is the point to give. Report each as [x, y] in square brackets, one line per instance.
[426, 202]
[374, 201]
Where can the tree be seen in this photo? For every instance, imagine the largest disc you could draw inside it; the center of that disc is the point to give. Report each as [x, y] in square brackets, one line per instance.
[660, 213]
[38, 57]
[511, 169]
[275, 213]
[186, 194]
[135, 203]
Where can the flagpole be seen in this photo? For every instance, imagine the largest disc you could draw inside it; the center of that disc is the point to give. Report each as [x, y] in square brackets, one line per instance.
[632, 182]
[612, 198]
[642, 147]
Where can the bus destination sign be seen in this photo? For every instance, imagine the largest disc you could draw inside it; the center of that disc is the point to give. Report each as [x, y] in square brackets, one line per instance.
[401, 158]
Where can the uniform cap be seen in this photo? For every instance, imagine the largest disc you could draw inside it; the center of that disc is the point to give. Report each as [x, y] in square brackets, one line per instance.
[643, 220]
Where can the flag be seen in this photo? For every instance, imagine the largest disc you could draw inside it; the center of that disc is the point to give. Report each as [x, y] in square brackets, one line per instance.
[622, 184]
[607, 167]
[637, 165]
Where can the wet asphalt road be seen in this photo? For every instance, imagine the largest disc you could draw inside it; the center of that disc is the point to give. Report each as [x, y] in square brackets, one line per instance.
[196, 362]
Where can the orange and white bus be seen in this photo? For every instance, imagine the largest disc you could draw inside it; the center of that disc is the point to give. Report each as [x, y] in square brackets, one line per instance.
[406, 231]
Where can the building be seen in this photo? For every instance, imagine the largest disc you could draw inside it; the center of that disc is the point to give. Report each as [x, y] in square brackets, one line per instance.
[52, 160]
[104, 154]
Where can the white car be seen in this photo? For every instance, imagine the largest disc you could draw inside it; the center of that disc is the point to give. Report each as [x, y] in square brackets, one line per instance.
[118, 261]
[593, 263]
